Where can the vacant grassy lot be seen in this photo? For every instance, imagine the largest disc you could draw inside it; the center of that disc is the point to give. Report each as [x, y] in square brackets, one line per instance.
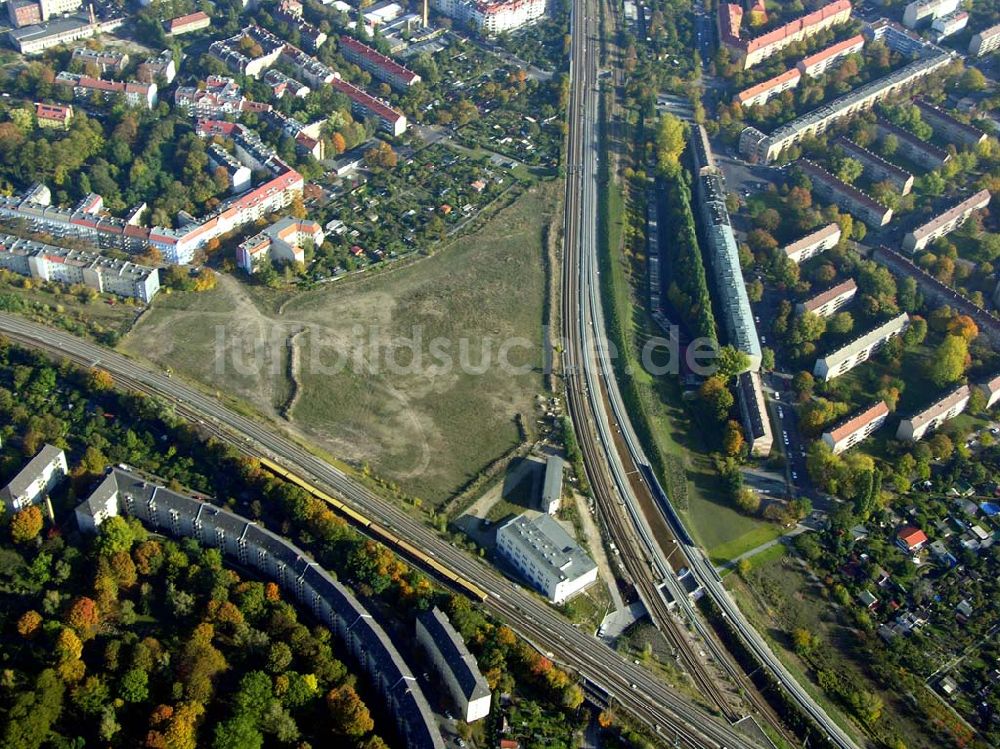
[375, 386]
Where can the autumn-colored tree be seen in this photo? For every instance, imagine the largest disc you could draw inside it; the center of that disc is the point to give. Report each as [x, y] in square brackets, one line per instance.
[338, 143]
[26, 525]
[148, 557]
[964, 326]
[123, 569]
[68, 646]
[206, 280]
[100, 380]
[181, 731]
[605, 719]
[350, 715]
[28, 624]
[732, 440]
[83, 616]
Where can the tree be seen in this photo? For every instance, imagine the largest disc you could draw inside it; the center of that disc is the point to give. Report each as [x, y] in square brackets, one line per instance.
[716, 396]
[671, 135]
[964, 326]
[850, 170]
[134, 686]
[732, 361]
[239, 732]
[83, 616]
[732, 441]
[972, 80]
[949, 361]
[381, 157]
[29, 623]
[350, 715]
[841, 323]
[747, 500]
[26, 525]
[100, 380]
[68, 646]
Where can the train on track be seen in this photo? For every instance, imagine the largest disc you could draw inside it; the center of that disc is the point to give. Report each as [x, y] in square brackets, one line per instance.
[380, 533]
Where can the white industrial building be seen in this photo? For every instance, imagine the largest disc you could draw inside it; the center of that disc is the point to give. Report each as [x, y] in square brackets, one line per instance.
[859, 350]
[546, 556]
[914, 428]
[455, 664]
[857, 428]
[33, 482]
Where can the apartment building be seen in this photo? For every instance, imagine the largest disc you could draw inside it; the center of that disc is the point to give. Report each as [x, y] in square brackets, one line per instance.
[949, 25]
[923, 12]
[991, 389]
[187, 24]
[134, 94]
[753, 413]
[238, 174]
[831, 301]
[291, 13]
[756, 145]
[727, 274]
[546, 556]
[230, 51]
[218, 98]
[917, 426]
[958, 132]
[876, 168]
[24, 13]
[945, 223]
[53, 115]
[846, 197]
[984, 42]
[925, 154]
[46, 262]
[898, 38]
[730, 17]
[380, 66]
[816, 65]
[34, 482]
[283, 241]
[812, 244]
[160, 67]
[492, 18]
[767, 90]
[107, 61]
[300, 579]
[364, 105]
[308, 67]
[282, 84]
[860, 349]
[455, 665]
[858, 427]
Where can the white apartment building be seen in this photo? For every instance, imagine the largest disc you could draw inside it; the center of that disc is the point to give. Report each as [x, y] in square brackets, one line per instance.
[282, 241]
[47, 262]
[857, 428]
[813, 243]
[33, 482]
[455, 664]
[985, 41]
[945, 223]
[52, 8]
[546, 556]
[492, 18]
[991, 389]
[914, 428]
[921, 12]
[859, 350]
[829, 302]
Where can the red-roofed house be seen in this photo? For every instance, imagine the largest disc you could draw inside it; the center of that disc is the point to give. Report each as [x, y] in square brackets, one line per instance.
[381, 67]
[817, 64]
[857, 428]
[188, 23]
[911, 539]
[53, 115]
